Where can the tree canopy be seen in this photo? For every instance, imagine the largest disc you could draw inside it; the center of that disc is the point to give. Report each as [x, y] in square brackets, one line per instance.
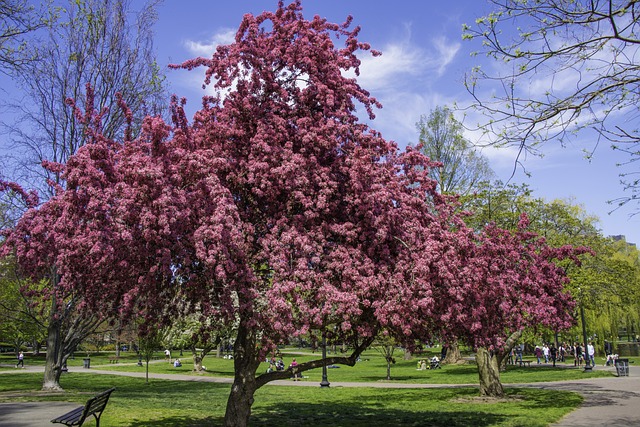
[441, 139]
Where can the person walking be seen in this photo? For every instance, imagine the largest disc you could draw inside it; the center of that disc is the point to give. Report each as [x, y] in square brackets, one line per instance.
[538, 353]
[553, 353]
[519, 350]
[591, 354]
[20, 360]
[545, 351]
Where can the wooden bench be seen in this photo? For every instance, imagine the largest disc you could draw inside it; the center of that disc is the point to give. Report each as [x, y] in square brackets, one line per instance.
[526, 363]
[114, 359]
[94, 406]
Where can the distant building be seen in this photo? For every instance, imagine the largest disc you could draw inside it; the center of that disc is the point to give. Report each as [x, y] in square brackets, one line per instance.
[622, 237]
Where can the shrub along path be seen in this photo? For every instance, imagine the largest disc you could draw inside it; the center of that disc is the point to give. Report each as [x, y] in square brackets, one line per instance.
[611, 401]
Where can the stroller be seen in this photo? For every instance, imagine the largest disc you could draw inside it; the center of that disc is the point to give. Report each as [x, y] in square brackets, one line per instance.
[434, 363]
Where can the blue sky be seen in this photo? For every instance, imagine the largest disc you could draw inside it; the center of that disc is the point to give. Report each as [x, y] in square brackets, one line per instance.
[422, 66]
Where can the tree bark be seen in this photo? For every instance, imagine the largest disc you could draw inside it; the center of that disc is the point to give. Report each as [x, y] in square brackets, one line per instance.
[53, 360]
[244, 383]
[489, 373]
[453, 354]
[197, 361]
[388, 369]
[65, 330]
[509, 344]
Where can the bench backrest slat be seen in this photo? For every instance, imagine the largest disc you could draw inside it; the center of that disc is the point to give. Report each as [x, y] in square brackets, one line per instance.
[96, 404]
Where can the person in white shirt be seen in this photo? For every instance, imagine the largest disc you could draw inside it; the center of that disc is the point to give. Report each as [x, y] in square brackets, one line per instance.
[591, 352]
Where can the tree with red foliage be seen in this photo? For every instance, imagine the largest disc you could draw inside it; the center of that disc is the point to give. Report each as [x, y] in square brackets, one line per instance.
[276, 210]
[497, 284]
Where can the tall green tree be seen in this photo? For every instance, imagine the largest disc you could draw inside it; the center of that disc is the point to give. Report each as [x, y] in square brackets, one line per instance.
[441, 139]
[21, 320]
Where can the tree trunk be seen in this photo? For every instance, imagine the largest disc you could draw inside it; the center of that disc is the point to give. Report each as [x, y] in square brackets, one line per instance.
[509, 344]
[36, 346]
[489, 373]
[197, 361]
[54, 357]
[244, 384]
[453, 354]
[388, 369]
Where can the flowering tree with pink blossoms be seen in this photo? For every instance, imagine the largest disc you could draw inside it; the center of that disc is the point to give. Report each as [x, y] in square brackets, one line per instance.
[275, 210]
[500, 283]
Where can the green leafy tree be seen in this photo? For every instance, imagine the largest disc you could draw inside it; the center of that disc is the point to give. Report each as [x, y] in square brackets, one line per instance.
[497, 203]
[148, 344]
[441, 139]
[21, 318]
[200, 336]
[386, 346]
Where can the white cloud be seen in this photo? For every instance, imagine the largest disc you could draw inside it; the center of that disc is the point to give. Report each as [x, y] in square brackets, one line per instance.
[447, 51]
[403, 59]
[206, 48]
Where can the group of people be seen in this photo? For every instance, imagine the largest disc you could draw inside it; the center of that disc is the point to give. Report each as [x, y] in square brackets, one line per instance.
[582, 353]
[276, 365]
[434, 363]
[550, 354]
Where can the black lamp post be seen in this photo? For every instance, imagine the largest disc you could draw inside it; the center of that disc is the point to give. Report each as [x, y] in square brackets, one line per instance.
[325, 382]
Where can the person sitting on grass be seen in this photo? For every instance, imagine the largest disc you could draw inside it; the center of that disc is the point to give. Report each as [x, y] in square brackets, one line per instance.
[177, 363]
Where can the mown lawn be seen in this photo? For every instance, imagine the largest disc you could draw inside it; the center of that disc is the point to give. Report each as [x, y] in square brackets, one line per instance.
[178, 403]
[371, 368]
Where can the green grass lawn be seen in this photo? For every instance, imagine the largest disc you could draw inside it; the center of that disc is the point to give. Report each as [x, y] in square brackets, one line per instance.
[371, 368]
[176, 403]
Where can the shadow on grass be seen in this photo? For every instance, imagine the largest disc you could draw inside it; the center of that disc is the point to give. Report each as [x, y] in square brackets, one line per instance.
[179, 422]
[347, 415]
[370, 410]
[307, 414]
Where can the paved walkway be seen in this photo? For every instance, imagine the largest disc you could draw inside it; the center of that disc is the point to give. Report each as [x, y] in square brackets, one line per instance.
[610, 402]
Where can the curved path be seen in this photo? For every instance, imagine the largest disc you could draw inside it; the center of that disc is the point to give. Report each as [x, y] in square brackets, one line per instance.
[611, 402]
